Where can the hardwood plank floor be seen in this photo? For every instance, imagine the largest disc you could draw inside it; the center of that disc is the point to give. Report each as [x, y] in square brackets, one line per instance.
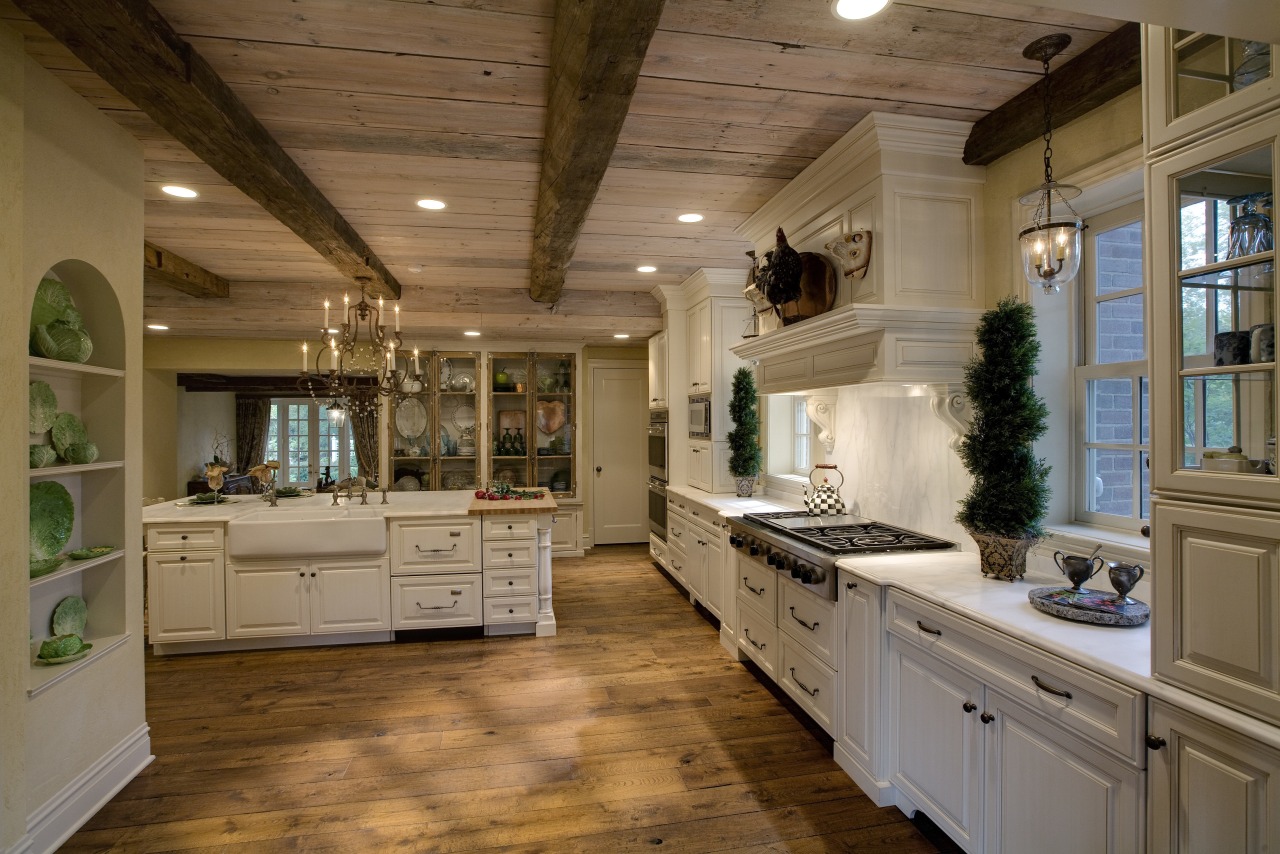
[630, 730]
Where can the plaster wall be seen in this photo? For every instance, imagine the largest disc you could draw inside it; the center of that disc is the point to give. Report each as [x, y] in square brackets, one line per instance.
[202, 416]
[76, 177]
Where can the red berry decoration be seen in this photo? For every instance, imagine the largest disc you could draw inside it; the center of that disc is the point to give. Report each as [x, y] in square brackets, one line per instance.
[480, 493]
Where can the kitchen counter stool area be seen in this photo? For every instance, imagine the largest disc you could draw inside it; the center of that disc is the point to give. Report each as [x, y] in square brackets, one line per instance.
[240, 575]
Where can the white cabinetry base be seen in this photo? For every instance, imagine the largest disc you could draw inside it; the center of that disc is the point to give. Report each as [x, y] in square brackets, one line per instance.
[62, 815]
[279, 642]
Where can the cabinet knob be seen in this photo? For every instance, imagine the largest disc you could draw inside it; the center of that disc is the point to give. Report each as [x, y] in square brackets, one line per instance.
[302, 575]
[508, 527]
[182, 557]
[599, 469]
[184, 536]
[849, 585]
[1155, 742]
[511, 584]
[969, 707]
[510, 554]
[986, 717]
[313, 575]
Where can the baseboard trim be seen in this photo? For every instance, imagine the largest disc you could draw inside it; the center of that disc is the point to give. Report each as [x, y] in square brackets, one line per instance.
[882, 793]
[53, 822]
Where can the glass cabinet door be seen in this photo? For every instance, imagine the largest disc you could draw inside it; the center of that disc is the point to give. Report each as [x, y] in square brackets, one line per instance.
[509, 418]
[555, 416]
[455, 443]
[1225, 323]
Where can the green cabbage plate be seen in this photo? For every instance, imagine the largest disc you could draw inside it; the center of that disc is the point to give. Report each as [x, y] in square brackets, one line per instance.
[70, 616]
[90, 552]
[44, 566]
[41, 456]
[81, 453]
[53, 303]
[62, 341]
[44, 406]
[53, 514]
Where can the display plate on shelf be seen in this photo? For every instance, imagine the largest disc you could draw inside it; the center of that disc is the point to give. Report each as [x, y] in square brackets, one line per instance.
[53, 515]
[411, 418]
[66, 659]
[70, 616]
[41, 567]
[90, 552]
[43, 406]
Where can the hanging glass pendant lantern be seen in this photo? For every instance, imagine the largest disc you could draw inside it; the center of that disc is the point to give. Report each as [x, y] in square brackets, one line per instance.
[1052, 240]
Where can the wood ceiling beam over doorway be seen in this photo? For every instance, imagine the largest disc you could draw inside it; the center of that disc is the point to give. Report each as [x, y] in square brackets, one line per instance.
[131, 46]
[597, 49]
[161, 267]
[1106, 70]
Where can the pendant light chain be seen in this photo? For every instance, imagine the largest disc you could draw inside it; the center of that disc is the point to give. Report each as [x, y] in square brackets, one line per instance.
[1048, 127]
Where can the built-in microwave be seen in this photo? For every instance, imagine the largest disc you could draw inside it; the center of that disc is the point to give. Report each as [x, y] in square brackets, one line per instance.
[658, 444]
[699, 418]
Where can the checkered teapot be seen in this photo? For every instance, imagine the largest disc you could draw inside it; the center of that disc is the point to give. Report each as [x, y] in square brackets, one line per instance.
[825, 500]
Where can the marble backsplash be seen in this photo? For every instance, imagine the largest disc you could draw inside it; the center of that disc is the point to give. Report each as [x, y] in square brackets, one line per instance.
[896, 460]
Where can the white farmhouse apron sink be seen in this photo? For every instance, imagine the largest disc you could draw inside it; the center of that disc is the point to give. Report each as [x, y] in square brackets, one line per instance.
[308, 533]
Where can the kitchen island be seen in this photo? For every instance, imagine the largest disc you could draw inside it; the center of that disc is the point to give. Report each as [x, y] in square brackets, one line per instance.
[244, 575]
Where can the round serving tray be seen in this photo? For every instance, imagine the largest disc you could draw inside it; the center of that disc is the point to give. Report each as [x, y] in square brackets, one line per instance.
[1102, 608]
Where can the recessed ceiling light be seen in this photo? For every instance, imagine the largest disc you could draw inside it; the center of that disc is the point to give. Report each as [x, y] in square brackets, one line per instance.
[621, 335]
[853, 10]
[431, 204]
[471, 333]
[646, 268]
[159, 327]
[180, 192]
[690, 217]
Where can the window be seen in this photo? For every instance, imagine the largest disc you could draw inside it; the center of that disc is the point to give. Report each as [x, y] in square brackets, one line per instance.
[306, 441]
[789, 436]
[803, 442]
[1112, 381]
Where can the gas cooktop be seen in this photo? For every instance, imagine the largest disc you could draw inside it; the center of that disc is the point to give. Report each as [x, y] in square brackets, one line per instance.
[846, 534]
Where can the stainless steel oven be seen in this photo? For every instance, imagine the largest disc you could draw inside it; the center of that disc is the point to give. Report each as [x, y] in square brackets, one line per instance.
[658, 508]
[658, 444]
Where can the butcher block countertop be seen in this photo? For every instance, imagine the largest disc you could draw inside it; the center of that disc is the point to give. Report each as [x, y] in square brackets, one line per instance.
[485, 507]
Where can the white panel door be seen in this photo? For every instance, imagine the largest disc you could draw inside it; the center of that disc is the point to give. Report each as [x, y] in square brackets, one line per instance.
[350, 596]
[620, 465]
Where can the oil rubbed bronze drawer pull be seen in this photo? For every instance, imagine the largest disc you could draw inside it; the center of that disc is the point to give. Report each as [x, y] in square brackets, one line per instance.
[927, 630]
[1049, 689]
[746, 583]
[812, 628]
[759, 646]
[422, 551]
[452, 604]
[803, 687]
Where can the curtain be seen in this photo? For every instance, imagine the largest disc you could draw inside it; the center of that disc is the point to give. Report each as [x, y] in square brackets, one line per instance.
[252, 415]
[364, 433]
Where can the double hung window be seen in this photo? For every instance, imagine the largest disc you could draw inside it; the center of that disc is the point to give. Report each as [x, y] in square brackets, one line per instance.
[306, 441]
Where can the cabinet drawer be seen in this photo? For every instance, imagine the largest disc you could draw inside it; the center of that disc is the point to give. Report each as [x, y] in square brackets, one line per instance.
[510, 582]
[511, 609]
[1094, 707]
[435, 545]
[428, 602]
[809, 619]
[511, 553]
[809, 681]
[511, 527]
[658, 550]
[678, 533]
[175, 538]
[758, 637]
[757, 584]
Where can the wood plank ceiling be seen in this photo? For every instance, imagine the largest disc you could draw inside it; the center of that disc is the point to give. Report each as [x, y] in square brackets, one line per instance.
[384, 102]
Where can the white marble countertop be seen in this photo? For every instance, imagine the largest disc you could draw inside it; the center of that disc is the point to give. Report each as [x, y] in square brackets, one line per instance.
[952, 580]
[728, 504]
[400, 504]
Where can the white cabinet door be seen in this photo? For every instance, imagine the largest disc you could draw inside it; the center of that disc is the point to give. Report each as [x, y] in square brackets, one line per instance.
[350, 596]
[1209, 789]
[695, 571]
[713, 586]
[858, 660]
[185, 597]
[1035, 770]
[658, 371]
[566, 530]
[698, 352]
[936, 741]
[267, 598]
[701, 466]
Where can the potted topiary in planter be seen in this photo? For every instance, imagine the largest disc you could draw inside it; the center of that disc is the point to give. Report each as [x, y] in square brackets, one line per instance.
[744, 438]
[1010, 491]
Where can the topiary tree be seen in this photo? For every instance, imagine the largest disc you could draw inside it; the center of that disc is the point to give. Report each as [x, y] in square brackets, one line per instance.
[744, 438]
[1010, 492]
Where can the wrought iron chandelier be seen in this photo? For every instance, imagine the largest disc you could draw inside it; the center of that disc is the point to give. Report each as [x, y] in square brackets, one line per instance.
[1051, 242]
[357, 362]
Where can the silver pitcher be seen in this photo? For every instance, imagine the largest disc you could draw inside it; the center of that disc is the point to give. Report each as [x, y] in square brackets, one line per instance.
[1078, 569]
[1124, 577]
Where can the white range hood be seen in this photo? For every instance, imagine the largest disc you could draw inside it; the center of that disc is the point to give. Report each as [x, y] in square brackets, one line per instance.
[911, 319]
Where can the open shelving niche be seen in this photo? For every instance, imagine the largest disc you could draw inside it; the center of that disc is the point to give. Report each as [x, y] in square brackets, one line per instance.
[94, 392]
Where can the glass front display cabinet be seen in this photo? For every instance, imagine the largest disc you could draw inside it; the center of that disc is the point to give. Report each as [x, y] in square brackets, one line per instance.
[532, 418]
[1221, 255]
[432, 428]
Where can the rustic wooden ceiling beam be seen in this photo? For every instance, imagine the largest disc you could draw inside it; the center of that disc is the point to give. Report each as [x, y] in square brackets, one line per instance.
[597, 48]
[131, 46]
[161, 267]
[1106, 70]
